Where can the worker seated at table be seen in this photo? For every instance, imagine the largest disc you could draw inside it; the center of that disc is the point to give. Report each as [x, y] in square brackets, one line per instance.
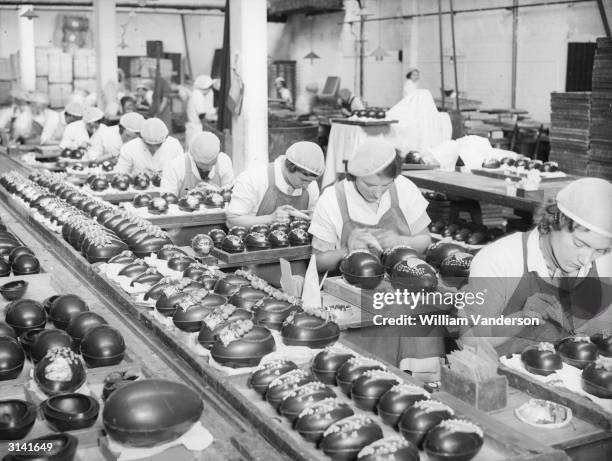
[558, 274]
[347, 102]
[200, 107]
[203, 162]
[151, 151]
[374, 207]
[128, 104]
[286, 187]
[144, 96]
[47, 126]
[107, 141]
[75, 134]
[412, 77]
[283, 92]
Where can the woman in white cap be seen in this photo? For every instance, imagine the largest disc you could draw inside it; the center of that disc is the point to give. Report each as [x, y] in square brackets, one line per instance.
[200, 107]
[46, 121]
[144, 96]
[75, 134]
[151, 151]
[284, 188]
[204, 161]
[283, 92]
[558, 274]
[348, 102]
[412, 77]
[374, 207]
[107, 141]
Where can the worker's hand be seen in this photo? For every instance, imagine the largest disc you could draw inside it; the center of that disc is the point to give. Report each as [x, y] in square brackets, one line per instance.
[546, 308]
[362, 239]
[282, 213]
[386, 238]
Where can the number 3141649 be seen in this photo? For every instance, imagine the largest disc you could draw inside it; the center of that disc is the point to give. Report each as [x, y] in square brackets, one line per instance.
[31, 448]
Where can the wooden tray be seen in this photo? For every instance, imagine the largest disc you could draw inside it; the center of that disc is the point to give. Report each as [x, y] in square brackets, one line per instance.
[271, 255]
[116, 196]
[501, 442]
[499, 173]
[374, 122]
[580, 405]
[417, 166]
[202, 217]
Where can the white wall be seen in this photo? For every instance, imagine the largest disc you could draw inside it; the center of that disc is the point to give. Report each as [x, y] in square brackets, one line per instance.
[483, 41]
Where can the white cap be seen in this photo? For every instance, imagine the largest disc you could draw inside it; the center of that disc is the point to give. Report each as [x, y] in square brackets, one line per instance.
[203, 82]
[587, 202]
[308, 156]
[154, 131]
[92, 114]
[132, 121]
[279, 80]
[38, 97]
[145, 84]
[74, 108]
[205, 147]
[371, 157]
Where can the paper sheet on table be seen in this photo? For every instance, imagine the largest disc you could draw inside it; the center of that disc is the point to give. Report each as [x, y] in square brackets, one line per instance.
[568, 377]
[198, 438]
[286, 281]
[311, 294]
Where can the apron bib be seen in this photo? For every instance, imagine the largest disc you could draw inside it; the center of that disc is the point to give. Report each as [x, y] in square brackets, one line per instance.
[272, 199]
[190, 180]
[581, 300]
[392, 348]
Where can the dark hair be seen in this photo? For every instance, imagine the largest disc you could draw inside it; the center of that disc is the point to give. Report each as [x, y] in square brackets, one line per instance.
[548, 217]
[409, 74]
[293, 168]
[392, 170]
[124, 100]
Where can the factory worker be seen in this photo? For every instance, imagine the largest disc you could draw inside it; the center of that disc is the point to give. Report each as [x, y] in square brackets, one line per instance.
[204, 161]
[374, 207]
[348, 102]
[559, 273]
[107, 141]
[47, 122]
[75, 134]
[286, 187]
[283, 92]
[200, 107]
[151, 151]
[144, 96]
[305, 101]
[412, 77]
[21, 120]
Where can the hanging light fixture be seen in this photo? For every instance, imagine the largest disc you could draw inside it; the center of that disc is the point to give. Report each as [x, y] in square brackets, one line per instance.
[379, 53]
[312, 55]
[30, 14]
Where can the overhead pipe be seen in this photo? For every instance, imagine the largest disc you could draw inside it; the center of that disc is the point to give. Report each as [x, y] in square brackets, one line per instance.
[514, 52]
[80, 4]
[441, 54]
[452, 18]
[472, 10]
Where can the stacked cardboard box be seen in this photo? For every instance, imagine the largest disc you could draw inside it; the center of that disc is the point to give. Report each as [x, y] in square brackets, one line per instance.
[570, 121]
[6, 77]
[600, 153]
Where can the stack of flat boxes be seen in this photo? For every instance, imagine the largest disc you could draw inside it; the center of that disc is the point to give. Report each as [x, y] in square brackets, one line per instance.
[600, 152]
[570, 131]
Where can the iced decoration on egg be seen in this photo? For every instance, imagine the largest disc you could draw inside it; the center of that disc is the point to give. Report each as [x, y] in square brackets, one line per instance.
[407, 388]
[235, 331]
[461, 425]
[59, 368]
[290, 377]
[324, 406]
[219, 315]
[430, 406]
[352, 423]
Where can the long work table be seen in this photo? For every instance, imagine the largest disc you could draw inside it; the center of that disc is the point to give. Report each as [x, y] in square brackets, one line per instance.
[482, 188]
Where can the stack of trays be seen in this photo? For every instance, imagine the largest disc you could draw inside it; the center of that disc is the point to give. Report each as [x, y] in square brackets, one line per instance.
[570, 121]
[600, 153]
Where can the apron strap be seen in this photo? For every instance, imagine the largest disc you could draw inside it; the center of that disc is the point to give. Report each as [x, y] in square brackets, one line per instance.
[393, 196]
[524, 239]
[187, 172]
[342, 204]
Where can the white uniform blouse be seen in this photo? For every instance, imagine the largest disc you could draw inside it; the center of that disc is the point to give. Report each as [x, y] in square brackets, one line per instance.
[134, 156]
[105, 141]
[75, 135]
[174, 173]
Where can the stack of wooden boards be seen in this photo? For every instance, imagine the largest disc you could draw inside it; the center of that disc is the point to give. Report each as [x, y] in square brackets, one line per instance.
[580, 135]
[600, 152]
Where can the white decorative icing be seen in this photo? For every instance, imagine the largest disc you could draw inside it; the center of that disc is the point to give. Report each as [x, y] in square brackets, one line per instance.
[349, 424]
[292, 376]
[461, 425]
[407, 388]
[384, 447]
[322, 407]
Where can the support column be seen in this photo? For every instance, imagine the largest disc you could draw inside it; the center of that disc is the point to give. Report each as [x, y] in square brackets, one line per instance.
[27, 56]
[249, 53]
[104, 24]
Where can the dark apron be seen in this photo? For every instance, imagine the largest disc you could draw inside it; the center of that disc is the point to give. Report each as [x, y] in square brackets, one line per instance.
[392, 347]
[190, 180]
[581, 299]
[272, 199]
